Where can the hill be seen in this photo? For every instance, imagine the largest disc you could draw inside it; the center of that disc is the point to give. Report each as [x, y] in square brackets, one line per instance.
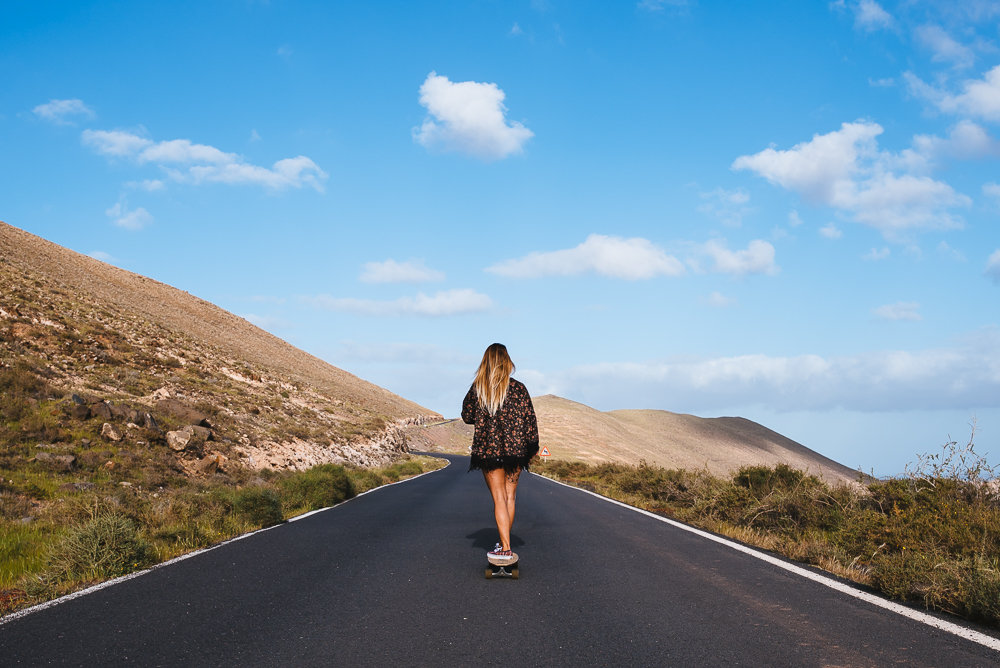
[574, 431]
[96, 358]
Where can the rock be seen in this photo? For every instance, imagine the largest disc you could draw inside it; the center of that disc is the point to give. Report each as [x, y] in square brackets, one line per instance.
[186, 438]
[183, 412]
[149, 422]
[125, 413]
[162, 393]
[56, 462]
[101, 409]
[77, 399]
[202, 432]
[84, 442]
[109, 465]
[77, 486]
[111, 432]
[212, 463]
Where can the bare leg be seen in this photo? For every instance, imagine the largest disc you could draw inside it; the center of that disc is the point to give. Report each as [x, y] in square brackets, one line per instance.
[503, 493]
[510, 487]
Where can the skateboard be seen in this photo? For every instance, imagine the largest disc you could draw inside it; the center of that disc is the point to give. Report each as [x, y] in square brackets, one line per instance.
[508, 569]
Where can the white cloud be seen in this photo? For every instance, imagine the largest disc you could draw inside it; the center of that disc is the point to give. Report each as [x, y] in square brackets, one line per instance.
[729, 206]
[899, 311]
[515, 30]
[130, 219]
[844, 169]
[979, 97]
[660, 5]
[794, 219]
[887, 82]
[468, 117]
[201, 163]
[992, 190]
[115, 143]
[966, 140]
[965, 376]
[390, 271]
[993, 266]
[615, 257]
[63, 112]
[831, 231]
[448, 302]
[875, 255]
[756, 258]
[870, 16]
[149, 185]
[944, 47]
[719, 300]
[945, 250]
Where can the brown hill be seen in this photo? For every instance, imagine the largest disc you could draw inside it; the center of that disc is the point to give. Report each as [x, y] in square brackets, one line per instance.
[573, 431]
[126, 342]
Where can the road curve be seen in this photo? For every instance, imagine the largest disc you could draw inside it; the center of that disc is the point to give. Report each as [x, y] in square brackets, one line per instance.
[395, 577]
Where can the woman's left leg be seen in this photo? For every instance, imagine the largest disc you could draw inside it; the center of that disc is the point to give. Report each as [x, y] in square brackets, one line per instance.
[496, 480]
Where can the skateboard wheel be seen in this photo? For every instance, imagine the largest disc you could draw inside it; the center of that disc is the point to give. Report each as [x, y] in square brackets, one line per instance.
[489, 573]
[515, 573]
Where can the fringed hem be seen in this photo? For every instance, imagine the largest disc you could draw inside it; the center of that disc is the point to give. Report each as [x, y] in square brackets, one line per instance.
[508, 464]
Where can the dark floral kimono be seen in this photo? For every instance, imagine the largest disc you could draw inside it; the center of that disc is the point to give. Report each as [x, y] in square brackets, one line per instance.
[507, 440]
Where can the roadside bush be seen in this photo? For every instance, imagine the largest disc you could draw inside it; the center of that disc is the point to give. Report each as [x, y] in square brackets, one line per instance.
[259, 506]
[319, 487]
[106, 546]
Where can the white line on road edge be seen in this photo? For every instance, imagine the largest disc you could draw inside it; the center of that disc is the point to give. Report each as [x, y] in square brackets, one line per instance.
[108, 583]
[930, 620]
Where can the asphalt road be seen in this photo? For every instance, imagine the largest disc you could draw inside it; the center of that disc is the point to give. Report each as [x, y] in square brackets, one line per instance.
[395, 577]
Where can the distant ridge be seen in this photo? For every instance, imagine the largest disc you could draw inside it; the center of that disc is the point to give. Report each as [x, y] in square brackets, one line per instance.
[74, 311]
[574, 431]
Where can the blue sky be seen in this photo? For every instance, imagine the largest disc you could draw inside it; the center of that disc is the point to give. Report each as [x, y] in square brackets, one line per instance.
[786, 211]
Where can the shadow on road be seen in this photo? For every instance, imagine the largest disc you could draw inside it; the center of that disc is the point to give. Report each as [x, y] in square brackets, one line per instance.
[486, 538]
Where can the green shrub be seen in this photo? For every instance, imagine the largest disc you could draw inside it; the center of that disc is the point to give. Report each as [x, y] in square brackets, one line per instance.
[259, 506]
[106, 546]
[319, 487]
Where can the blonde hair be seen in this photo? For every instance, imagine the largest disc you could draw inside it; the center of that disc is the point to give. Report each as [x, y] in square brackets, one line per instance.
[493, 378]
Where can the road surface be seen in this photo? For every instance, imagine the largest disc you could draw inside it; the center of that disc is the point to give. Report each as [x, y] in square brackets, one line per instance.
[395, 578]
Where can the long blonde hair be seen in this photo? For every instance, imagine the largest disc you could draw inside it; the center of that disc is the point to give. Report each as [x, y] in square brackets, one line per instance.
[493, 378]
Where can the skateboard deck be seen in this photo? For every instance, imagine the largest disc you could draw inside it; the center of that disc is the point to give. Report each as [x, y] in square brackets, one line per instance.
[508, 569]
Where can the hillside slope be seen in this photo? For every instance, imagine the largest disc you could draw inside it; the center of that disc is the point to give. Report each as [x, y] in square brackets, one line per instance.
[574, 431]
[129, 345]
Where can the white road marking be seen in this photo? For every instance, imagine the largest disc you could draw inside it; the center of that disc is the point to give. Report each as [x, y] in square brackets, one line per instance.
[108, 583]
[916, 615]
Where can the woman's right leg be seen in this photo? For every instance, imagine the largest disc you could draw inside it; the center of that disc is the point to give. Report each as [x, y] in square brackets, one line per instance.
[496, 480]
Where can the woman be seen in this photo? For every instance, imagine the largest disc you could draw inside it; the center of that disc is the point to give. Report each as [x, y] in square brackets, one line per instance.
[505, 440]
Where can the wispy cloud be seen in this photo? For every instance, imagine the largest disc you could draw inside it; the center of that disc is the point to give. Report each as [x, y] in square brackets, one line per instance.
[831, 231]
[944, 47]
[964, 376]
[993, 266]
[899, 311]
[844, 169]
[184, 161]
[870, 16]
[615, 257]
[445, 303]
[468, 117]
[64, 112]
[876, 254]
[130, 219]
[728, 206]
[979, 98]
[719, 300]
[390, 271]
[756, 258]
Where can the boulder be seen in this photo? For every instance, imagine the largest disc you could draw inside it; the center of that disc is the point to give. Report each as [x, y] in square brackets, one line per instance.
[101, 409]
[111, 432]
[56, 462]
[186, 438]
[125, 413]
[149, 422]
[77, 411]
[212, 463]
[183, 412]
